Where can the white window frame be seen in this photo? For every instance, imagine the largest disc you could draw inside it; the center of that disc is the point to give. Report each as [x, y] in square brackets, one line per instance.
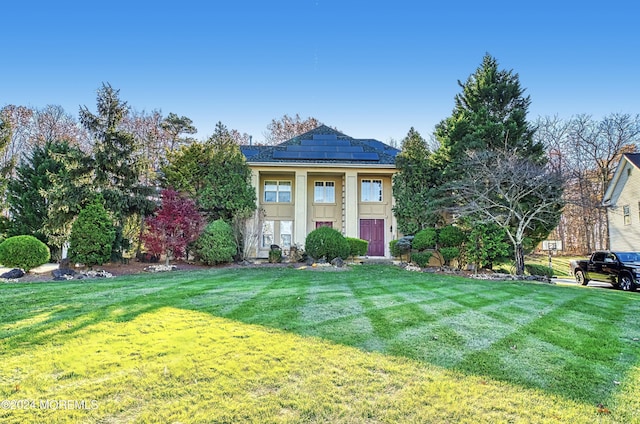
[268, 232]
[368, 193]
[626, 214]
[286, 235]
[279, 193]
[323, 198]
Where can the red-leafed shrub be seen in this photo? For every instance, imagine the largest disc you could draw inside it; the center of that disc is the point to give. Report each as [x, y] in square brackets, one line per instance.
[176, 224]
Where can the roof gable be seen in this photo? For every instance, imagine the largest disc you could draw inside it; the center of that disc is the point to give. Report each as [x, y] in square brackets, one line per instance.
[323, 145]
[616, 184]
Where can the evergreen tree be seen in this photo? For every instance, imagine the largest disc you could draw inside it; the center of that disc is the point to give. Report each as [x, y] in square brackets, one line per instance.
[92, 235]
[227, 193]
[27, 192]
[215, 173]
[70, 190]
[7, 165]
[117, 172]
[414, 186]
[490, 114]
[489, 122]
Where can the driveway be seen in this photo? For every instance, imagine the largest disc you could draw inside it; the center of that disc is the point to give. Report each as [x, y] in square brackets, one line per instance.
[572, 282]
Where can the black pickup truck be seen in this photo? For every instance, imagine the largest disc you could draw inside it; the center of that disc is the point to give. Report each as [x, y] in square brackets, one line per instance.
[621, 269]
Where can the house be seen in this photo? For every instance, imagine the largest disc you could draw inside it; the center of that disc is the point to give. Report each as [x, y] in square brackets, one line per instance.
[622, 200]
[324, 178]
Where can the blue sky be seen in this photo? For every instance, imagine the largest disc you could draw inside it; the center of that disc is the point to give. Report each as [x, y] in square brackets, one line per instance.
[373, 69]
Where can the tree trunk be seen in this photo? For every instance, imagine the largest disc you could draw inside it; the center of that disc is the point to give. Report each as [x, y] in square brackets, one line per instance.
[519, 253]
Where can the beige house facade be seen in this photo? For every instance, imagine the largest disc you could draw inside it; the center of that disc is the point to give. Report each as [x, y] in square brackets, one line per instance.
[622, 200]
[324, 178]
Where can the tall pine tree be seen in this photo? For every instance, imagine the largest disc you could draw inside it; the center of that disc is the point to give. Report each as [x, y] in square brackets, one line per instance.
[489, 121]
[490, 114]
[414, 186]
[117, 172]
[27, 191]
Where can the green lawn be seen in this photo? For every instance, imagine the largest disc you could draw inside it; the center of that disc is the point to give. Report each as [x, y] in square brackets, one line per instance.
[372, 344]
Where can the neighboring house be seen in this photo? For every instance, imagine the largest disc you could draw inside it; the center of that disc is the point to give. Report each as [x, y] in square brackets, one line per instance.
[622, 200]
[324, 178]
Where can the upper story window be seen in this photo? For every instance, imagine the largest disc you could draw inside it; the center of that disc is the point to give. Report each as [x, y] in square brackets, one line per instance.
[277, 191]
[324, 192]
[371, 191]
[626, 212]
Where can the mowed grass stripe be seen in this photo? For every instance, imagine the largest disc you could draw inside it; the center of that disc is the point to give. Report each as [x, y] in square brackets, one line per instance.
[531, 336]
[175, 365]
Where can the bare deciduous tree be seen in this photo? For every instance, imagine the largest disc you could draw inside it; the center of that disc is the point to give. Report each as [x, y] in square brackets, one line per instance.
[512, 192]
[288, 127]
[587, 153]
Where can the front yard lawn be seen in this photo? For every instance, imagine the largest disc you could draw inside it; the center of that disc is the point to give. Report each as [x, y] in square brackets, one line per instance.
[372, 344]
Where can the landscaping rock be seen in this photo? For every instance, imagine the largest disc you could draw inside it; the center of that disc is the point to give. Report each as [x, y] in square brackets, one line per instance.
[160, 268]
[337, 262]
[63, 274]
[13, 274]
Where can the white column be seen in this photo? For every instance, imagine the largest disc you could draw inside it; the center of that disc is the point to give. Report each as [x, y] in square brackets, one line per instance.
[300, 224]
[351, 224]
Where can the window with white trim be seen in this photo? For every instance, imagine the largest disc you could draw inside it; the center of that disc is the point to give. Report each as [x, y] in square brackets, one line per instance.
[371, 191]
[286, 233]
[324, 192]
[277, 191]
[626, 212]
[267, 234]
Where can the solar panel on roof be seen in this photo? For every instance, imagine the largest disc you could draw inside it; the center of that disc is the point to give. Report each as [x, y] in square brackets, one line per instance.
[325, 136]
[366, 156]
[325, 143]
[325, 149]
[326, 155]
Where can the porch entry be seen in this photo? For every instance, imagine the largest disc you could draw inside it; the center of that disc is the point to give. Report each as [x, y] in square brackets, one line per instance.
[372, 230]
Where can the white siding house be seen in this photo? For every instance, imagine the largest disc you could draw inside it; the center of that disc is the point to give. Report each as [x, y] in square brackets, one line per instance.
[622, 200]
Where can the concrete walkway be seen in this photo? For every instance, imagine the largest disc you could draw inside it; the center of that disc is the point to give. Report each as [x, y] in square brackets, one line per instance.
[42, 269]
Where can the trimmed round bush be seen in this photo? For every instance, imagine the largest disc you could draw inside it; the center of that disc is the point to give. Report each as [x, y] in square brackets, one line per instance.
[425, 239]
[92, 235]
[216, 245]
[421, 258]
[357, 247]
[449, 253]
[451, 236]
[327, 243]
[23, 252]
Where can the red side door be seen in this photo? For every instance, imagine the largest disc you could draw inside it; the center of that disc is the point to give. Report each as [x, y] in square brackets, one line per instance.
[372, 230]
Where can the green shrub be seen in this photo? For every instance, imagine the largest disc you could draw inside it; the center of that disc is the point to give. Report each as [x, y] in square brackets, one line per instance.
[24, 252]
[451, 236]
[421, 258]
[275, 256]
[449, 253]
[401, 246]
[425, 239]
[216, 245]
[393, 248]
[92, 235]
[537, 269]
[357, 247]
[327, 243]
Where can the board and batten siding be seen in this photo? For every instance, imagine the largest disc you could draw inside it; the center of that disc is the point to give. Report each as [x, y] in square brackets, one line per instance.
[624, 233]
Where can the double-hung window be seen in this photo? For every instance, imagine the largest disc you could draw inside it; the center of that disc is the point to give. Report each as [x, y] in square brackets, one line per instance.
[277, 191]
[324, 192]
[371, 191]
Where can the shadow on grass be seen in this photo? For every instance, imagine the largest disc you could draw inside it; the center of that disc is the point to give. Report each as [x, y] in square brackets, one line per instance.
[569, 342]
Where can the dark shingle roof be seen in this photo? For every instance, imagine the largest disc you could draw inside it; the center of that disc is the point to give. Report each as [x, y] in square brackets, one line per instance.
[634, 158]
[324, 145]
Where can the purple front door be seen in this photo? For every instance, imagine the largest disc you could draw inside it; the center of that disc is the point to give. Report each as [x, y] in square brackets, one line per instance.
[372, 230]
